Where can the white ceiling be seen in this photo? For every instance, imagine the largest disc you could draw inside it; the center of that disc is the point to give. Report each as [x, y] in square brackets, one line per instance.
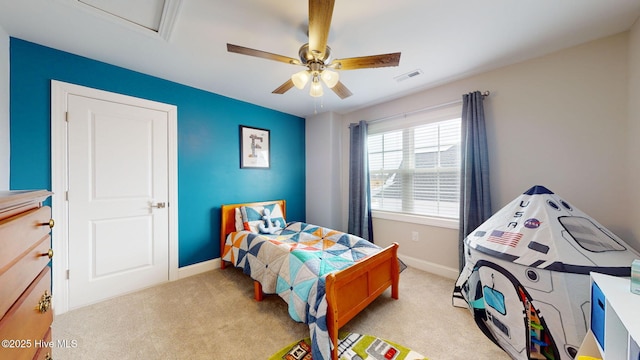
[445, 39]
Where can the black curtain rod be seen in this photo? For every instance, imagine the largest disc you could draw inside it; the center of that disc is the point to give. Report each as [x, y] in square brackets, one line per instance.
[432, 107]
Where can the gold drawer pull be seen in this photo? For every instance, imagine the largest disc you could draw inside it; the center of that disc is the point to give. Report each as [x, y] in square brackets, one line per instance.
[50, 224]
[49, 254]
[45, 302]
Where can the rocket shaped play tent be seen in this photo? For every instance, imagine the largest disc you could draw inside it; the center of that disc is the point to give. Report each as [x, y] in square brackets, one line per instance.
[526, 274]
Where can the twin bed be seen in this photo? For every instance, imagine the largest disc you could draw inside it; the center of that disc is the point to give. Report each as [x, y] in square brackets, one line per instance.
[326, 277]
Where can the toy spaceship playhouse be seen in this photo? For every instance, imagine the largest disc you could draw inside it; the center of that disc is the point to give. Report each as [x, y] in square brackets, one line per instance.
[526, 275]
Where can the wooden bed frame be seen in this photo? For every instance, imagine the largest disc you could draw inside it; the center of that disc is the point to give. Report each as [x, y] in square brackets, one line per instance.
[348, 291]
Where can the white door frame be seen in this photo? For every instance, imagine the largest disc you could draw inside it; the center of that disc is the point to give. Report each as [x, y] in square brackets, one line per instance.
[59, 180]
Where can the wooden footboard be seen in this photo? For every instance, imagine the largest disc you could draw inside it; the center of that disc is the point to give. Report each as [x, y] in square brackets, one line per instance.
[350, 290]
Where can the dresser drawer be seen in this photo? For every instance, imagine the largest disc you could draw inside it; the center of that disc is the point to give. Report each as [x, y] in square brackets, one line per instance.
[15, 280]
[24, 324]
[21, 232]
[44, 350]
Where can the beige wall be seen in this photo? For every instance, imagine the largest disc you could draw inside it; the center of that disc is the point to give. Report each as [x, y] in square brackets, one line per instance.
[4, 110]
[323, 154]
[561, 120]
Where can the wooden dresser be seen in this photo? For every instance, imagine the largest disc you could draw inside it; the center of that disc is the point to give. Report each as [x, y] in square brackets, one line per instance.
[25, 277]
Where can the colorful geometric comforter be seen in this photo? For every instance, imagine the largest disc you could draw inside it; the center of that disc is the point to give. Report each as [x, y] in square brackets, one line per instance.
[293, 264]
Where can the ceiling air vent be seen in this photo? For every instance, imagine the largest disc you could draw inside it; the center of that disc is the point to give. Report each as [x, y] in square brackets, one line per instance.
[408, 75]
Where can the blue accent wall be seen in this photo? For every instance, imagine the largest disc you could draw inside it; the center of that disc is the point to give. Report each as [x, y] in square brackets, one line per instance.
[209, 171]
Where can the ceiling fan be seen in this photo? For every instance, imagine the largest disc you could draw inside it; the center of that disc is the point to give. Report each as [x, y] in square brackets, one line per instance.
[316, 56]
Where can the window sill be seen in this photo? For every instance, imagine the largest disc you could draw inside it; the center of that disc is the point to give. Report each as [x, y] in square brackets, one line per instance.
[416, 219]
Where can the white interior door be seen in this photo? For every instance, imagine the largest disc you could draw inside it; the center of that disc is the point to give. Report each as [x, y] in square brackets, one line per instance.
[118, 232]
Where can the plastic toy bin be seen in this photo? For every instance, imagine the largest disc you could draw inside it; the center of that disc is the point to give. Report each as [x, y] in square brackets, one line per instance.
[634, 350]
[598, 304]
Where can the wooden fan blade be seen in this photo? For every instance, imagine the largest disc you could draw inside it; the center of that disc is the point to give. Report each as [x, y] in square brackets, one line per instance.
[364, 62]
[341, 90]
[283, 88]
[261, 54]
[320, 13]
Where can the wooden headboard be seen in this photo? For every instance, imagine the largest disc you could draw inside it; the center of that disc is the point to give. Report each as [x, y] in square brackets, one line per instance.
[228, 222]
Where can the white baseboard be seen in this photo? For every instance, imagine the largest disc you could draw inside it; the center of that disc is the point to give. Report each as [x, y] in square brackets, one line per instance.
[427, 266]
[198, 268]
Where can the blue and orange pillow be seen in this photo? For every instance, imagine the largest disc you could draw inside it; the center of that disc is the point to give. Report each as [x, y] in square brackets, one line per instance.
[253, 217]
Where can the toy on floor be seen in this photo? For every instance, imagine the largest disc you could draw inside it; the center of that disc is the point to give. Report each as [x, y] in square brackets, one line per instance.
[526, 274]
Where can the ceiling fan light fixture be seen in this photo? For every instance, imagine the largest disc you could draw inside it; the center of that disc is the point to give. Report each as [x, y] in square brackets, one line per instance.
[330, 78]
[300, 79]
[316, 56]
[316, 88]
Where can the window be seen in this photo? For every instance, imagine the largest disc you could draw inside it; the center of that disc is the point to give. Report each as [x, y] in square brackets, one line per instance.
[589, 235]
[495, 299]
[414, 164]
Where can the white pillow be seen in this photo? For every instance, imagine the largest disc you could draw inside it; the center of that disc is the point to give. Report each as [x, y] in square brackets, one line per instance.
[238, 220]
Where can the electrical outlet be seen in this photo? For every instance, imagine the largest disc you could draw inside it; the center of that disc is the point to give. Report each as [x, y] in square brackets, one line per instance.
[414, 236]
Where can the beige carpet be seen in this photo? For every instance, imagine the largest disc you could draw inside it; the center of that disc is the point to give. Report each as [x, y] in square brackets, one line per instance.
[213, 316]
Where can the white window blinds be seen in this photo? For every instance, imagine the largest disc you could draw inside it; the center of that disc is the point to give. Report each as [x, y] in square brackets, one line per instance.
[414, 163]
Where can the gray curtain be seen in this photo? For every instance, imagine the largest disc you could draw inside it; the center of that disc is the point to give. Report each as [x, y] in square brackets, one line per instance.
[475, 199]
[360, 223]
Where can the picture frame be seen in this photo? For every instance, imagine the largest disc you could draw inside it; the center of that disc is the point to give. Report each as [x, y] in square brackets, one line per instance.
[255, 144]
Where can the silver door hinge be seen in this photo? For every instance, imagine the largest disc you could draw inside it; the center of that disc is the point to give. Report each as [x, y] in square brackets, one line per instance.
[66, 116]
[66, 195]
[67, 274]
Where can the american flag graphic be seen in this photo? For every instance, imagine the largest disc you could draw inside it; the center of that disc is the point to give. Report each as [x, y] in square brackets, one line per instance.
[505, 238]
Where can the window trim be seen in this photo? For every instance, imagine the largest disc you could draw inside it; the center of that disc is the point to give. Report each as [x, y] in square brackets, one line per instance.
[416, 219]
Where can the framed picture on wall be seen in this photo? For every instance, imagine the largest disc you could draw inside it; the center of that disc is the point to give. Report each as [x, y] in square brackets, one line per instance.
[254, 147]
